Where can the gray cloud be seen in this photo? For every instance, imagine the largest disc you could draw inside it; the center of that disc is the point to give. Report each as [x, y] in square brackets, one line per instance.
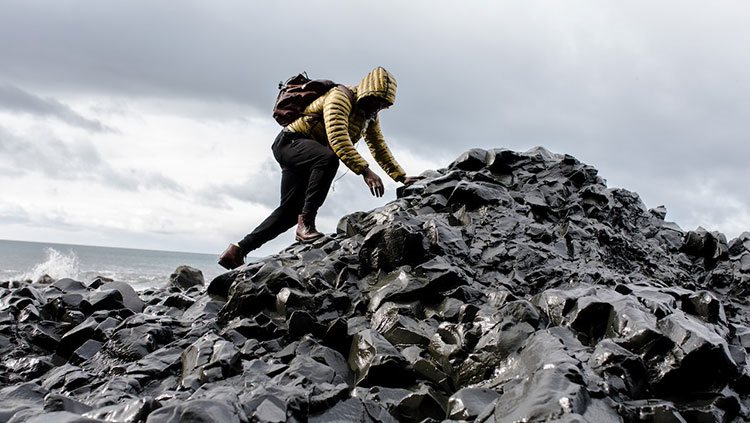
[49, 156]
[17, 100]
[11, 213]
[260, 187]
[15, 214]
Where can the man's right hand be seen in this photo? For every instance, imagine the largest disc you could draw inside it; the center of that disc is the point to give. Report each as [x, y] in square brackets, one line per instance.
[374, 182]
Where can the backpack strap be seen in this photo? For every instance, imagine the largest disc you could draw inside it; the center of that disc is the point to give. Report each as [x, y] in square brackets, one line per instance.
[349, 93]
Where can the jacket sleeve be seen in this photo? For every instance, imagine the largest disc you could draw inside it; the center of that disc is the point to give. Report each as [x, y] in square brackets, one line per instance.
[336, 111]
[381, 153]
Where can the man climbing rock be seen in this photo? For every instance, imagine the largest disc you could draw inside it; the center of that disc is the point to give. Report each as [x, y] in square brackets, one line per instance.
[308, 151]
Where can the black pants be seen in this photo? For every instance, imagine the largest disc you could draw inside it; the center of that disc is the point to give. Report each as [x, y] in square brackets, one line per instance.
[307, 171]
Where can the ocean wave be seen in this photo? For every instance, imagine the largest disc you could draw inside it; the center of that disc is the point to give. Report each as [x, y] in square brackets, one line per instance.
[142, 270]
[57, 265]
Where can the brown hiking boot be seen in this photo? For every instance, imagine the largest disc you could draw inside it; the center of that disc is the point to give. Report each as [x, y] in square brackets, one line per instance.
[306, 231]
[232, 257]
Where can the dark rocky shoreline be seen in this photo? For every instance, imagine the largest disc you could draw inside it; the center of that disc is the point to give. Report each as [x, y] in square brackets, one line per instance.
[507, 287]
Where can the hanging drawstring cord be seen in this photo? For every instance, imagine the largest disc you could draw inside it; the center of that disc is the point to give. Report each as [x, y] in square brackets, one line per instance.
[333, 185]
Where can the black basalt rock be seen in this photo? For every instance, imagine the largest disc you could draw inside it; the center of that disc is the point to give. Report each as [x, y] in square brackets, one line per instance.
[186, 277]
[62, 417]
[208, 359]
[56, 402]
[196, 411]
[86, 351]
[474, 159]
[135, 410]
[375, 361]
[354, 410]
[221, 284]
[130, 298]
[22, 399]
[684, 367]
[69, 286]
[136, 337]
[76, 337]
[468, 403]
[385, 247]
[21, 369]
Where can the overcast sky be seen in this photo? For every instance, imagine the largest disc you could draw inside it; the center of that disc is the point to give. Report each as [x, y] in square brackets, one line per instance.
[147, 124]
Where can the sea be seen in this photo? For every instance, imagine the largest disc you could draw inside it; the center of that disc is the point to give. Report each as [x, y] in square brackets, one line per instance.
[142, 269]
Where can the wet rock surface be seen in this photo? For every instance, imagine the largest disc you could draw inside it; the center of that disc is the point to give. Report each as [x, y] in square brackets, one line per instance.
[507, 287]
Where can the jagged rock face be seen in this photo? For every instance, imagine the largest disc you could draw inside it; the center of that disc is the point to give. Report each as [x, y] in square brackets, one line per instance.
[186, 277]
[506, 287]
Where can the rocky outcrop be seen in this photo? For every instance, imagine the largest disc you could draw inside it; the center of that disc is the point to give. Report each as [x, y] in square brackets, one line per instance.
[186, 277]
[506, 287]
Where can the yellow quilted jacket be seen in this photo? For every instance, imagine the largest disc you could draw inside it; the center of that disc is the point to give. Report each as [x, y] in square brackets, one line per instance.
[333, 119]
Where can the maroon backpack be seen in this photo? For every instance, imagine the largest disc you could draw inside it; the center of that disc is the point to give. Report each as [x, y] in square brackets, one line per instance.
[296, 94]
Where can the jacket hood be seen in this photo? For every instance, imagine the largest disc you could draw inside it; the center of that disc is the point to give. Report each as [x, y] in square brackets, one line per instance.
[379, 83]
